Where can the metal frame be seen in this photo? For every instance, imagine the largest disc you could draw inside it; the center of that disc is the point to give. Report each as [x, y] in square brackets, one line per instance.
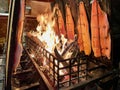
[34, 47]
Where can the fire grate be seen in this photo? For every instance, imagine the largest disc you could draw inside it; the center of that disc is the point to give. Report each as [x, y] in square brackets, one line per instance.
[72, 71]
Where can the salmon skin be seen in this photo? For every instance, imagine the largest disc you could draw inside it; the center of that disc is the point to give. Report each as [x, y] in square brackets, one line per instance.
[19, 47]
[101, 40]
[60, 21]
[69, 24]
[83, 30]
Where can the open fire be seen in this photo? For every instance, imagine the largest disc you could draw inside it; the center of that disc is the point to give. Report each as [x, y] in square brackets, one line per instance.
[59, 46]
[58, 55]
[60, 72]
[47, 35]
[58, 50]
[69, 49]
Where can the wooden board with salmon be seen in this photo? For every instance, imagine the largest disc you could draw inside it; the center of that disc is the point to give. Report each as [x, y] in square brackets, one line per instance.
[83, 30]
[69, 24]
[61, 24]
[19, 47]
[100, 34]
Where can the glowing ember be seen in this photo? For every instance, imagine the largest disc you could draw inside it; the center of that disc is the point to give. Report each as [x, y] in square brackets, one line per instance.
[32, 55]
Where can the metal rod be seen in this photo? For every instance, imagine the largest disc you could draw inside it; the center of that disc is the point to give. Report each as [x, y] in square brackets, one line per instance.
[8, 40]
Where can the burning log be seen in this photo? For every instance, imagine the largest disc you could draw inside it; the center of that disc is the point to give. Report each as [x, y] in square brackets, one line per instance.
[58, 68]
[63, 51]
[67, 70]
[60, 58]
[73, 48]
[71, 51]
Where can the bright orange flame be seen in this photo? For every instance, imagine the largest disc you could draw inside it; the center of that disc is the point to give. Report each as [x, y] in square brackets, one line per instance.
[46, 33]
[48, 37]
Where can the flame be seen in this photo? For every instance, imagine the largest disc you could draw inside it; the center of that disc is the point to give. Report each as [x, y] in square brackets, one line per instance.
[48, 37]
[46, 33]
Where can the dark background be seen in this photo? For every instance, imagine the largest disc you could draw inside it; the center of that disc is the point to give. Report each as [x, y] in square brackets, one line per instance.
[115, 30]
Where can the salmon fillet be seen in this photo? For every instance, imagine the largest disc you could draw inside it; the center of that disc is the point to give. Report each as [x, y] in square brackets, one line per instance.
[80, 39]
[105, 39]
[83, 29]
[69, 24]
[59, 25]
[19, 48]
[95, 37]
[101, 40]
